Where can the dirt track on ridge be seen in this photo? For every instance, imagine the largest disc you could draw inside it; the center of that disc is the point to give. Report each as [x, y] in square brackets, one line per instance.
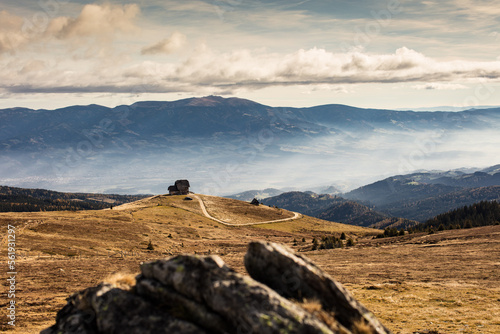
[296, 215]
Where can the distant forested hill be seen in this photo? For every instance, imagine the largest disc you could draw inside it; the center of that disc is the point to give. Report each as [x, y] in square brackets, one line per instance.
[336, 209]
[478, 214]
[28, 200]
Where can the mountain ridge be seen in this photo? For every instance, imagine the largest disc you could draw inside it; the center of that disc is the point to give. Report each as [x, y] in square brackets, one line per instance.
[421, 196]
[213, 138]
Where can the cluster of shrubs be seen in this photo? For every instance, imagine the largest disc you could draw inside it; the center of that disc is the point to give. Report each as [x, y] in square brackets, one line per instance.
[330, 242]
[391, 232]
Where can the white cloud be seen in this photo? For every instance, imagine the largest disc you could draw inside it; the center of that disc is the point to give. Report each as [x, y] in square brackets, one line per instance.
[101, 21]
[227, 72]
[11, 35]
[439, 86]
[94, 23]
[166, 46]
[318, 66]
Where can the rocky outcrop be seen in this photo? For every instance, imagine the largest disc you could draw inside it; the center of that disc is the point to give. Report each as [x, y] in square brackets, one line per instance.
[190, 294]
[106, 309]
[295, 276]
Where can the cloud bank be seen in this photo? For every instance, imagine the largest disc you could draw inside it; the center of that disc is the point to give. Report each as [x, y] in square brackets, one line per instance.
[254, 70]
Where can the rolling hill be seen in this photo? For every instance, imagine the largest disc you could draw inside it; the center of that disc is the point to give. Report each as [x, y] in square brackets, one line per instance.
[79, 247]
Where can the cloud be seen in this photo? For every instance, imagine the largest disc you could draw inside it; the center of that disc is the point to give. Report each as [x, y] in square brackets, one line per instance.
[33, 66]
[336, 89]
[101, 21]
[11, 36]
[252, 70]
[318, 66]
[166, 46]
[439, 86]
[98, 22]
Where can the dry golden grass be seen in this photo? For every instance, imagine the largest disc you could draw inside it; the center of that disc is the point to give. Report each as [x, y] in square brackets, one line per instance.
[121, 280]
[448, 281]
[309, 225]
[238, 212]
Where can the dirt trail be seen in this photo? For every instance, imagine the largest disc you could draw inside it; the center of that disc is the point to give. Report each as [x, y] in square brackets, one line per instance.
[296, 215]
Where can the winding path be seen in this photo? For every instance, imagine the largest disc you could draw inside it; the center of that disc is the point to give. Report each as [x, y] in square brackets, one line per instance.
[296, 215]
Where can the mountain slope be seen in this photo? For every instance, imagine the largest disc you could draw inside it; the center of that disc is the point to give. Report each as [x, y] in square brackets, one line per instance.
[427, 208]
[309, 204]
[478, 214]
[396, 189]
[420, 196]
[331, 208]
[352, 213]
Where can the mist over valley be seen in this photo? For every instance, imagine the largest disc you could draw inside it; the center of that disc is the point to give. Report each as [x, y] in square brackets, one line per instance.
[230, 145]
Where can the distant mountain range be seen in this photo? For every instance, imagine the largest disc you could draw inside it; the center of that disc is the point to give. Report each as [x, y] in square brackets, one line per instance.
[223, 145]
[258, 194]
[157, 124]
[397, 201]
[448, 108]
[421, 196]
[271, 192]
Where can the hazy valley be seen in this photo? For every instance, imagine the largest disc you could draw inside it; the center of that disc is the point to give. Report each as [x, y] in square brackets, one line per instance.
[230, 145]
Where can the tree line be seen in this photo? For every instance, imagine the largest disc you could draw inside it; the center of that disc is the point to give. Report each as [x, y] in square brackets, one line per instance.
[483, 213]
[24, 203]
[14, 199]
[478, 214]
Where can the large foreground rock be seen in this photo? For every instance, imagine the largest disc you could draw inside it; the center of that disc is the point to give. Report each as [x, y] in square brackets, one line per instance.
[106, 309]
[244, 305]
[295, 276]
[190, 294]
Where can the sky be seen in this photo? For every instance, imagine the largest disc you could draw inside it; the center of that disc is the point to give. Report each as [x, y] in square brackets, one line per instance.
[376, 54]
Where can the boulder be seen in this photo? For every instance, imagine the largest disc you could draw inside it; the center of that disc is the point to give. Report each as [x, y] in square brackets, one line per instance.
[295, 276]
[245, 305]
[106, 309]
[191, 294]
